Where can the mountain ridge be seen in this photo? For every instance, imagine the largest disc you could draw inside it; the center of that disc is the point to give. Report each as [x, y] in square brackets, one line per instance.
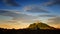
[40, 25]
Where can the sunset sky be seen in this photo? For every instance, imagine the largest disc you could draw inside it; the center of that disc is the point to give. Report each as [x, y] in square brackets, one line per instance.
[21, 13]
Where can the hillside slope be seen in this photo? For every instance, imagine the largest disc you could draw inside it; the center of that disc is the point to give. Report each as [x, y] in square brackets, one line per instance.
[40, 26]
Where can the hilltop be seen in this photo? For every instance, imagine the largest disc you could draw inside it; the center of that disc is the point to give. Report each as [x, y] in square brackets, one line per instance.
[40, 25]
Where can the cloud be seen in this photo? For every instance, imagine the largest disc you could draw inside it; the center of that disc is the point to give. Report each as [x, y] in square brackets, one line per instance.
[11, 2]
[16, 16]
[35, 9]
[47, 15]
[8, 13]
[54, 20]
[52, 2]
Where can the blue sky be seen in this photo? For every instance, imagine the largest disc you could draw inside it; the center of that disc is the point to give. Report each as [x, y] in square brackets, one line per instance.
[29, 11]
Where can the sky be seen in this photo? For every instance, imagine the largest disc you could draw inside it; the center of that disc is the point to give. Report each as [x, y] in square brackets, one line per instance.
[21, 13]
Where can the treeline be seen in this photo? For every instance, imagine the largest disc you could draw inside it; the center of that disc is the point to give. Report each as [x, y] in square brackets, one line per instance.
[28, 31]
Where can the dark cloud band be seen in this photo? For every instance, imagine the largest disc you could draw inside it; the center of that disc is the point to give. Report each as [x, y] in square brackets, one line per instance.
[35, 9]
[52, 2]
[16, 16]
[47, 15]
[11, 2]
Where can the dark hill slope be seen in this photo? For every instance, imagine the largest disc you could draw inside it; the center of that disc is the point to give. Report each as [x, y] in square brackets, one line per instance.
[40, 26]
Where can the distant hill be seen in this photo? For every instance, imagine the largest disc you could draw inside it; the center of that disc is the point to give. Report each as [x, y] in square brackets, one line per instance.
[40, 26]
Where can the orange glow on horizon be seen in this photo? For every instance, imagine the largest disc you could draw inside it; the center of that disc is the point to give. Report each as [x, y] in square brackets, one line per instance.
[20, 26]
[13, 26]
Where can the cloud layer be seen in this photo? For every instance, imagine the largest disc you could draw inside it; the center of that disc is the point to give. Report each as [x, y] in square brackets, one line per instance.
[54, 20]
[35, 9]
[52, 2]
[16, 16]
[8, 13]
[47, 15]
[10, 2]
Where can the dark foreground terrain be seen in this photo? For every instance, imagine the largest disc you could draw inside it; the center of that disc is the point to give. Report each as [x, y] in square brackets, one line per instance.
[28, 31]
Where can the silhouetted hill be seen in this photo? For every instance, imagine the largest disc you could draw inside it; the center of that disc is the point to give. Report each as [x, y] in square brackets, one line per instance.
[40, 26]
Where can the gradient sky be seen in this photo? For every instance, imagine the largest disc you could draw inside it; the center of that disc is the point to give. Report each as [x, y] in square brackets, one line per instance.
[21, 13]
